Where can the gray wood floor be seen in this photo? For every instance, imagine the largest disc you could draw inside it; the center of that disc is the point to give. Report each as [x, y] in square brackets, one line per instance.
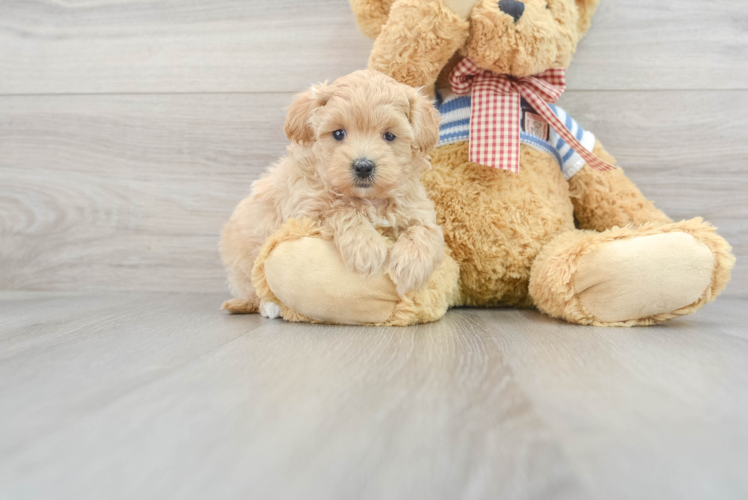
[129, 130]
[132, 395]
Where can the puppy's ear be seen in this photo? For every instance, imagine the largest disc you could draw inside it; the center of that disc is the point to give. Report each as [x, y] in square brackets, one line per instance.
[424, 118]
[297, 127]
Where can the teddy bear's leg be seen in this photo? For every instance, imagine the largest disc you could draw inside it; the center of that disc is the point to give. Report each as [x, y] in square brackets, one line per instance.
[631, 276]
[300, 270]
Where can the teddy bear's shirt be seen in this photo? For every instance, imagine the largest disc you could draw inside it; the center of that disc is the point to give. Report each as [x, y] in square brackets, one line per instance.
[535, 131]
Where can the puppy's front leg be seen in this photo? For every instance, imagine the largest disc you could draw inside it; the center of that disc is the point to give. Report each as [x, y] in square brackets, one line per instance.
[363, 249]
[415, 255]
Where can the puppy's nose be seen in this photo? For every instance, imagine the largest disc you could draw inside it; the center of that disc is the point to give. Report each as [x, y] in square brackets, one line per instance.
[514, 8]
[363, 168]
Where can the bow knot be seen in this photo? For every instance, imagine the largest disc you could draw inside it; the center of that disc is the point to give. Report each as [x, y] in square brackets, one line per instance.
[495, 112]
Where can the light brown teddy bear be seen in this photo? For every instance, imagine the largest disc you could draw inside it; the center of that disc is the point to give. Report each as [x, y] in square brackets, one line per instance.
[510, 175]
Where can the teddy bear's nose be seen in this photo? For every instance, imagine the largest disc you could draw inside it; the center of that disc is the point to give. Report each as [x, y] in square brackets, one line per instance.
[514, 8]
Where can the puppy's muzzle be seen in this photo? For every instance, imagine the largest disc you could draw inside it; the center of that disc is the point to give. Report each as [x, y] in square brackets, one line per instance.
[363, 168]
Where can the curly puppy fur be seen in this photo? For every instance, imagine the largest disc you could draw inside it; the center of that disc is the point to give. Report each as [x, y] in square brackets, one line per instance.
[318, 181]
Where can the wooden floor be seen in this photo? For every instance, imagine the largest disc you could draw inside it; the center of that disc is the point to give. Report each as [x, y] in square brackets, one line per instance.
[132, 395]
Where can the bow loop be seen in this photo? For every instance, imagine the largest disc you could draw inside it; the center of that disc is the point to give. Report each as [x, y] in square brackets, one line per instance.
[549, 85]
[495, 112]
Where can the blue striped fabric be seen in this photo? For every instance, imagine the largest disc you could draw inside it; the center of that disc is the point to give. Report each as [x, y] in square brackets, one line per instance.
[455, 126]
[455, 120]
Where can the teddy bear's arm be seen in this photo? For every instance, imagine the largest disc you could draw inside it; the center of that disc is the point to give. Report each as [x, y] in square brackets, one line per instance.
[603, 200]
[417, 42]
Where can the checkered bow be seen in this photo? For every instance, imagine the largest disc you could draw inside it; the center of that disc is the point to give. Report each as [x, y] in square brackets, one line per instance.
[495, 113]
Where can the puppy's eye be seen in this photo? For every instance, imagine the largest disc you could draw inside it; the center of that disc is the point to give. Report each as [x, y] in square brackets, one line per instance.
[547, 6]
[389, 136]
[339, 135]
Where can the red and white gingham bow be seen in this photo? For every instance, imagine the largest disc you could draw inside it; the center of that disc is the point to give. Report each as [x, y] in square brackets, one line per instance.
[495, 113]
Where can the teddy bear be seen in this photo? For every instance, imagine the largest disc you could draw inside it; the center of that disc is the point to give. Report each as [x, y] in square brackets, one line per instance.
[535, 212]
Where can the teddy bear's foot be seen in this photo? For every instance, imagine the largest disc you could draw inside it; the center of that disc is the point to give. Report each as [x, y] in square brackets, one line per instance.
[636, 278]
[301, 272]
[631, 276]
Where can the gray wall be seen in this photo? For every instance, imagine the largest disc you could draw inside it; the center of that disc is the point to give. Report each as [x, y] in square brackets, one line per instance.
[130, 129]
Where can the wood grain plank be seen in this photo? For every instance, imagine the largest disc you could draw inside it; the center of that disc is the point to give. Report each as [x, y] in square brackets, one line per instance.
[127, 46]
[130, 192]
[136, 46]
[130, 188]
[642, 413]
[665, 45]
[281, 411]
[89, 350]
[156, 396]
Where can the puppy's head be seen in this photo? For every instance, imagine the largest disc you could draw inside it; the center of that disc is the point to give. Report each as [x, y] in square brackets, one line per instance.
[367, 132]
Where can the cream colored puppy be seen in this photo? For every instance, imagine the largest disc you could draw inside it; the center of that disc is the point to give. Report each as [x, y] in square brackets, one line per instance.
[358, 149]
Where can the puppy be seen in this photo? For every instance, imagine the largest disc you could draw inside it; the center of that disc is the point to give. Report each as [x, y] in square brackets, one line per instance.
[358, 147]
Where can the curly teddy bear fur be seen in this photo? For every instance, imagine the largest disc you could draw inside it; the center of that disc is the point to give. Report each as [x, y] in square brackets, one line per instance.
[591, 250]
[509, 231]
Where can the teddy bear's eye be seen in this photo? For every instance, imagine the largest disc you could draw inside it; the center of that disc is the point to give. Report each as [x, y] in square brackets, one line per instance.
[547, 6]
[389, 136]
[339, 135]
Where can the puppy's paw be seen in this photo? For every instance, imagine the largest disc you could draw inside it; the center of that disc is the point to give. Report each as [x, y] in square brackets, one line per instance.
[242, 306]
[410, 265]
[365, 254]
[269, 310]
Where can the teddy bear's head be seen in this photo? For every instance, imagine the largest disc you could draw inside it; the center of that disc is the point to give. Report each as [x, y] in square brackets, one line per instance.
[524, 37]
[516, 37]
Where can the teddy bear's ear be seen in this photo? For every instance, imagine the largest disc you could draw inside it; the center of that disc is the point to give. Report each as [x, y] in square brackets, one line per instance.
[297, 126]
[371, 15]
[424, 118]
[586, 11]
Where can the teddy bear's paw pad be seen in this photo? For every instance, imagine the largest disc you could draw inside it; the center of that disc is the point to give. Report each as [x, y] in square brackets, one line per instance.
[641, 277]
[309, 277]
[270, 310]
